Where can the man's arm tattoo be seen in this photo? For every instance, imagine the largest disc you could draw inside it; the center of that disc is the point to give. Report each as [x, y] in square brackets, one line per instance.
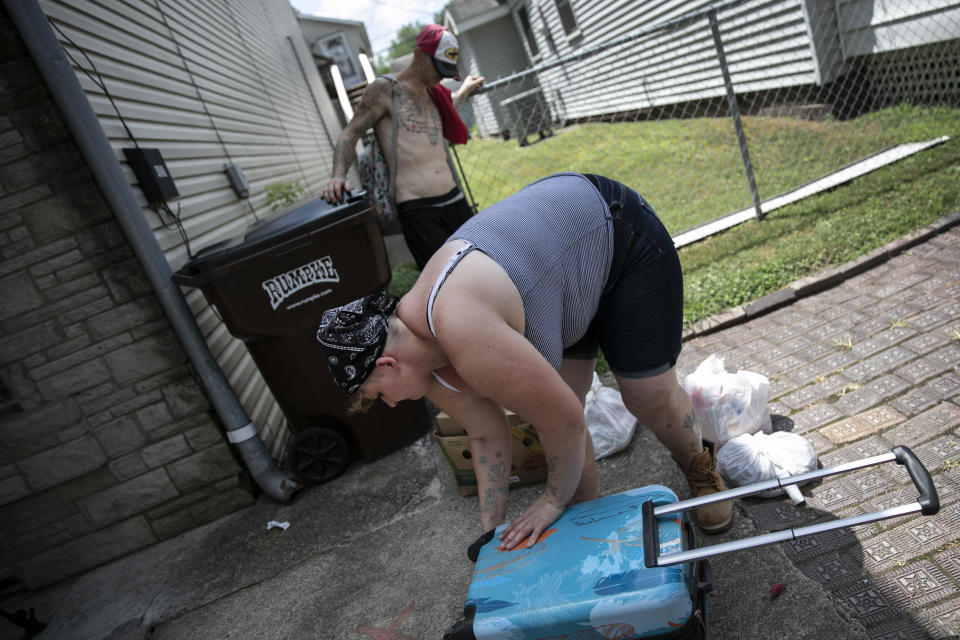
[364, 117]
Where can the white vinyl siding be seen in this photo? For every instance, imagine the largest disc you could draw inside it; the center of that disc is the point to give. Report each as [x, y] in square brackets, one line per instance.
[878, 26]
[497, 48]
[768, 44]
[208, 82]
[765, 41]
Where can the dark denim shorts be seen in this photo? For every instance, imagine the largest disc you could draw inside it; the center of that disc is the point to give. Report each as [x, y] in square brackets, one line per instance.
[639, 321]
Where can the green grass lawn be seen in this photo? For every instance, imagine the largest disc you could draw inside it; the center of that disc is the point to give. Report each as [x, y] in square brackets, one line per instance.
[696, 171]
[820, 232]
[691, 170]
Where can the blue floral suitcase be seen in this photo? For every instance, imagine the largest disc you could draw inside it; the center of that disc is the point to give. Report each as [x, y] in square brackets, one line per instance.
[585, 579]
[627, 566]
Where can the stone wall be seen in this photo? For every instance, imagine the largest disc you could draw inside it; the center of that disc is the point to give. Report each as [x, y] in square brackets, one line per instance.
[107, 442]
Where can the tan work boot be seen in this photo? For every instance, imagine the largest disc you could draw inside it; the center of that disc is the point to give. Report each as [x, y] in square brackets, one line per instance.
[704, 479]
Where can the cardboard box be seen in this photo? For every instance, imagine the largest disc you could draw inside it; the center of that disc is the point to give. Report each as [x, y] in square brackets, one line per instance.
[528, 464]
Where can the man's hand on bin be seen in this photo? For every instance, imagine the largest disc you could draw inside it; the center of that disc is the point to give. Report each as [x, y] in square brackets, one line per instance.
[335, 190]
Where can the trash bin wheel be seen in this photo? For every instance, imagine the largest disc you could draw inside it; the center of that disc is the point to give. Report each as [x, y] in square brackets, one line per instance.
[318, 454]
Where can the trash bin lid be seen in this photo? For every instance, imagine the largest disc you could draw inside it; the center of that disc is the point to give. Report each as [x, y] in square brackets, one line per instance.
[284, 225]
[305, 214]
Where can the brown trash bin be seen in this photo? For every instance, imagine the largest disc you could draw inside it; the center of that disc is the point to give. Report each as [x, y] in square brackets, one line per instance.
[270, 286]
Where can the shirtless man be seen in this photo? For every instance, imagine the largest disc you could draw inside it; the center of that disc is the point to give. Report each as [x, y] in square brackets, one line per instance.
[429, 202]
[510, 313]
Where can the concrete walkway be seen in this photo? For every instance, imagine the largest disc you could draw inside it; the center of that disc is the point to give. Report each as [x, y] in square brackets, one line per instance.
[860, 359]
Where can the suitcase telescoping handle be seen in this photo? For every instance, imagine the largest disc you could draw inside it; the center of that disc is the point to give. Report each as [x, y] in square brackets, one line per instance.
[928, 503]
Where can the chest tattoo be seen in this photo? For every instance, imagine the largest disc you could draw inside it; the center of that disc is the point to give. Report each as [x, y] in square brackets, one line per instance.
[419, 116]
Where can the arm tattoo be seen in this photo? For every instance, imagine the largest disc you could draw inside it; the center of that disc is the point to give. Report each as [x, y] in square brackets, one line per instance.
[487, 503]
[552, 489]
[371, 108]
[489, 500]
[343, 156]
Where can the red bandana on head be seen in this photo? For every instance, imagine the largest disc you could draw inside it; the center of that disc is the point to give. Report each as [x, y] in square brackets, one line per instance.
[454, 128]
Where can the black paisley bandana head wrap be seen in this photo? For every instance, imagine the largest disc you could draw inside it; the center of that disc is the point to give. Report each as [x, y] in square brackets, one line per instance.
[353, 337]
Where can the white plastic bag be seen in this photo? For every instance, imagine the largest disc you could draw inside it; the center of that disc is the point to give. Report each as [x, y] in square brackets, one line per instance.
[610, 424]
[728, 404]
[755, 457]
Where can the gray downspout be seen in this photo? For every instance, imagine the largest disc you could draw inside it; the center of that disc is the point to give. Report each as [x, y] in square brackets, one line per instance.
[50, 59]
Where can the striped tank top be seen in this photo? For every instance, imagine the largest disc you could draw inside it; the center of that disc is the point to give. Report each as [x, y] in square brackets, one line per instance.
[554, 239]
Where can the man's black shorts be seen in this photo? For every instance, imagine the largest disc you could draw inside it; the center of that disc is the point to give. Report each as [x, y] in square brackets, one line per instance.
[428, 222]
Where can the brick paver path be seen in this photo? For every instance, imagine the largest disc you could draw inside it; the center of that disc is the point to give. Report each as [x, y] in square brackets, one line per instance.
[856, 369]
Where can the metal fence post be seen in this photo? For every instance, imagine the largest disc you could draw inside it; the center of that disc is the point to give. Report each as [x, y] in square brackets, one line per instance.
[463, 177]
[735, 114]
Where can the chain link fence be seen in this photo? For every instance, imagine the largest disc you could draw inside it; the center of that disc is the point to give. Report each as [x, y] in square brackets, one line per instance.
[724, 113]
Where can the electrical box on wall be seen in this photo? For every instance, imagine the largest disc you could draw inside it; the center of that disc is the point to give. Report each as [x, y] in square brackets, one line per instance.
[237, 180]
[152, 174]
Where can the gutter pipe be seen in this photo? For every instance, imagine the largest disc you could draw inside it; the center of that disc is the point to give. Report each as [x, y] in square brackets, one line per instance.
[62, 82]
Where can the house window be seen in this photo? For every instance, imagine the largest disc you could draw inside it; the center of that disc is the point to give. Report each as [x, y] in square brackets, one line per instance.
[567, 18]
[528, 32]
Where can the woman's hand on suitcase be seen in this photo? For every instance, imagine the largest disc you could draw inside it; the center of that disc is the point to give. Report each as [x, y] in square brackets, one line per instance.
[531, 524]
